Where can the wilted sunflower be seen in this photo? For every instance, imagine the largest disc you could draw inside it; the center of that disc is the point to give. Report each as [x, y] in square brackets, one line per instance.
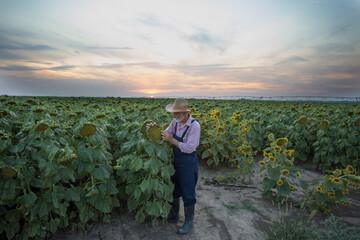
[154, 133]
[284, 172]
[271, 137]
[87, 130]
[42, 126]
[350, 184]
[324, 124]
[357, 123]
[331, 194]
[262, 163]
[281, 141]
[350, 169]
[303, 120]
[8, 171]
[280, 182]
[336, 180]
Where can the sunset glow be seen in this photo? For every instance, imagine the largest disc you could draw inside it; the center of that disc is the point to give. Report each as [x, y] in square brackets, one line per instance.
[192, 48]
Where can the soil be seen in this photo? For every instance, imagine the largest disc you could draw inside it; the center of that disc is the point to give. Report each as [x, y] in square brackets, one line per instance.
[233, 211]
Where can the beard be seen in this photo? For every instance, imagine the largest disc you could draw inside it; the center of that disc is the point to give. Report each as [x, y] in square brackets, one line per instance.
[179, 119]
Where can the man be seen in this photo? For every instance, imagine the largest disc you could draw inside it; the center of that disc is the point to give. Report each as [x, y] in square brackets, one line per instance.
[184, 134]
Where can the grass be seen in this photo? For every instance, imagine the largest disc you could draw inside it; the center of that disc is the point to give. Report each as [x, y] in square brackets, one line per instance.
[236, 206]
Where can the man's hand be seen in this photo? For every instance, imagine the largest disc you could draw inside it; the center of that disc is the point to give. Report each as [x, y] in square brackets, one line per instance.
[166, 137]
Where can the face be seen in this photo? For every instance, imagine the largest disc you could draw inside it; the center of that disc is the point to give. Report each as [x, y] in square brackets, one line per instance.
[179, 116]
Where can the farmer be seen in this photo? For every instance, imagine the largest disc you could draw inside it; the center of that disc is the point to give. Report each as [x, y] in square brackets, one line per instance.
[184, 134]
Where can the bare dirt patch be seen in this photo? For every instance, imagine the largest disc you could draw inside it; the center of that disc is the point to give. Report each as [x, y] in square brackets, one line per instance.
[222, 212]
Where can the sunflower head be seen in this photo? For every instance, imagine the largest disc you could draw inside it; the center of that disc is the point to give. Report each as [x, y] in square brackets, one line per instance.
[272, 159]
[319, 188]
[280, 182]
[331, 194]
[271, 137]
[281, 141]
[337, 180]
[285, 172]
[324, 124]
[350, 168]
[292, 187]
[303, 120]
[338, 172]
[153, 132]
[87, 130]
[42, 126]
[357, 123]
[262, 163]
[8, 171]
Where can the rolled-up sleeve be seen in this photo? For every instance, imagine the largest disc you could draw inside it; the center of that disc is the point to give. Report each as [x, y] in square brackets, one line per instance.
[192, 139]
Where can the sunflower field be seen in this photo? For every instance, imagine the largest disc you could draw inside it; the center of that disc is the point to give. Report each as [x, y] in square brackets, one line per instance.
[67, 162]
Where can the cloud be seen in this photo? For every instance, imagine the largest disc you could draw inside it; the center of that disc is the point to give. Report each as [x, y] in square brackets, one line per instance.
[202, 39]
[25, 68]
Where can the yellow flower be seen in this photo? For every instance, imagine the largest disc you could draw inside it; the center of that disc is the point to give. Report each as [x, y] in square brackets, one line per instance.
[357, 187]
[320, 203]
[261, 175]
[338, 172]
[222, 177]
[285, 172]
[350, 169]
[250, 161]
[350, 184]
[345, 191]
[347, 203]
[272, 159]
[298, 174]
[267, 155]
[280, 182]
[238, 166]
[243, 134]
[271, 137]
[277, 148]
[262, 163]
[292, 187]
[319, 188]
[336, 180]
[331, 194]
[327, 210]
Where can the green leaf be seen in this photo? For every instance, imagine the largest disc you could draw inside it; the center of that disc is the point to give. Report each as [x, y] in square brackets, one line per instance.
[284, 189]
[12, 216]
[137, 193]
[150, 149]
[43, 211]
[103, 205]
[29, 199]
[101, 173]
[17, 148]
[267, 194]
[268, 184]
[132, 204]
[140, 216]
[164, 153]
[136, 164]
[54, 223]
[11, 229]
[205, 154]
[73, 194]
[55, 200]
[144, 185]
[274, 173]
[34, 228]
[304, 184]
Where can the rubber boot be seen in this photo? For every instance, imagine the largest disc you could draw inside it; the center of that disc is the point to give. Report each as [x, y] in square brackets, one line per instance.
[173, 215]
[189, 220]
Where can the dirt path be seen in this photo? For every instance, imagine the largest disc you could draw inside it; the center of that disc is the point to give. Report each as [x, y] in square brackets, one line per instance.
[222, 212]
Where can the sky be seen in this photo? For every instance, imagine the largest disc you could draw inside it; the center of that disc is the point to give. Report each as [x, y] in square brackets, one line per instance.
[187, 48]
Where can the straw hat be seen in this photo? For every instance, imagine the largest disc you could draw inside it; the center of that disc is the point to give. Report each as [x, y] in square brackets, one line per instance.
[180, 105]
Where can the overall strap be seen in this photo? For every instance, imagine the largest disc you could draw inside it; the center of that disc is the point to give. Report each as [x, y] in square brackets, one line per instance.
[187, 128]
[175, 127]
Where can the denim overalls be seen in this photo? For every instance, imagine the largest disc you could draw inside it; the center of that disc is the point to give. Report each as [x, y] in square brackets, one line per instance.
[186, 172]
